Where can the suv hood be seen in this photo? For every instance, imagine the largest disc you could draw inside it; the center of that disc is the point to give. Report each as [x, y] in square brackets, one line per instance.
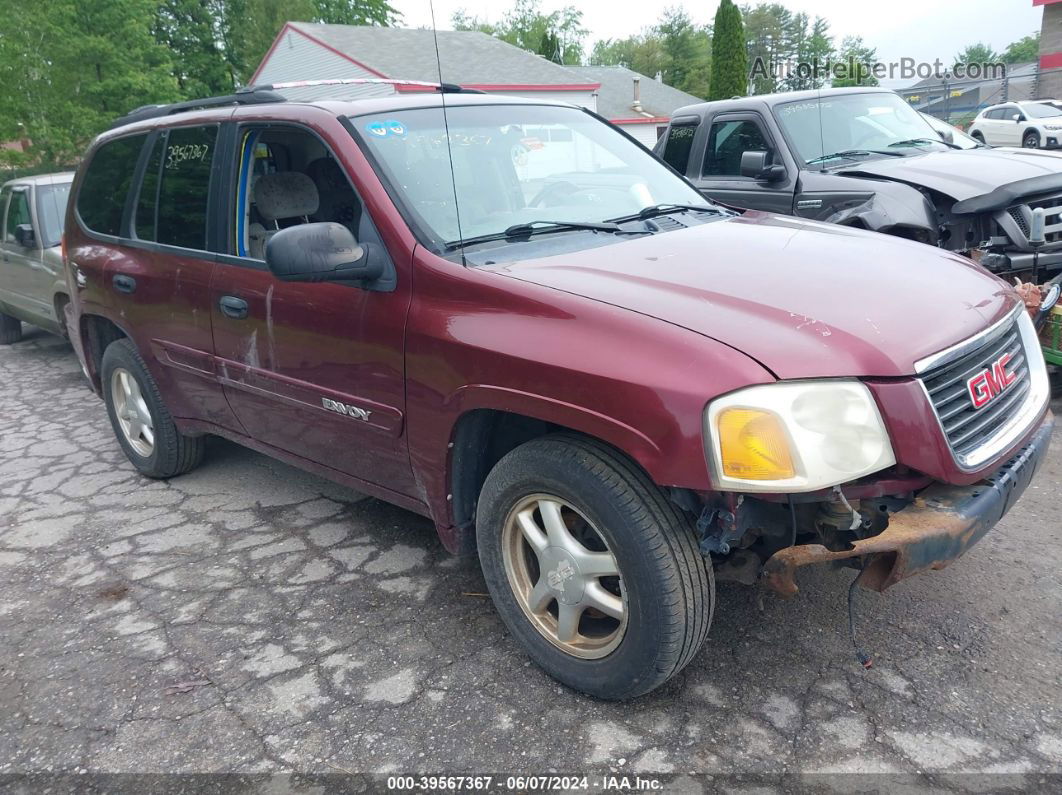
[961, 174]
[804, 299]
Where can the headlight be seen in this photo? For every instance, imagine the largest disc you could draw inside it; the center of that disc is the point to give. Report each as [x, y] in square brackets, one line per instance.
[795, 436]
[1053, 126]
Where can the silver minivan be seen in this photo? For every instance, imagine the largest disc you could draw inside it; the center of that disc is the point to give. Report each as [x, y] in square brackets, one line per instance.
[32, 283]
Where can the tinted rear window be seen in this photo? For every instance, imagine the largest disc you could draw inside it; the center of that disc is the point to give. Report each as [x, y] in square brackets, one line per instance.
[102, 196]
[185, 187]
[678, 145]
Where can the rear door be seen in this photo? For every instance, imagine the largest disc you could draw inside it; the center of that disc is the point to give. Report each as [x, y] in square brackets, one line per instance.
[719, 176]
[316, 370]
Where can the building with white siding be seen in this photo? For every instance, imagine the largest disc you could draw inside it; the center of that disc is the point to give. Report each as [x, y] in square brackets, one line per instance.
[306, 51]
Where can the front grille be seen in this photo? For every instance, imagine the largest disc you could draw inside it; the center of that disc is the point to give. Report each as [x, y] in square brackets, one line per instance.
[966, 427]
[1019, 218]
[1052, 206]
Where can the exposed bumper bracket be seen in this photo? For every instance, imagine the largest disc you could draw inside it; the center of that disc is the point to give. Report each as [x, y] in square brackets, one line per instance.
[938, 527]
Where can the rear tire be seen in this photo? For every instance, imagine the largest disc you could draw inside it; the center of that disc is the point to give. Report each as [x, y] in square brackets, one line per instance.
[10, 329]
[141, 421]
[659, 597]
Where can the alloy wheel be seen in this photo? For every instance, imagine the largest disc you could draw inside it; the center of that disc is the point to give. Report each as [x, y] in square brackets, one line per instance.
[565, 578]
[134, 416]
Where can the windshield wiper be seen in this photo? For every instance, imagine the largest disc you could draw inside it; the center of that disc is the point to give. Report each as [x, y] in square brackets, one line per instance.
[654, 210]
[854, 153]
[532, 228]
[916, 141]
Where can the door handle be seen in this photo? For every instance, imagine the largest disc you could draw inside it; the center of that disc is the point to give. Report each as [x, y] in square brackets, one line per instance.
[233, 307]
[123, 283]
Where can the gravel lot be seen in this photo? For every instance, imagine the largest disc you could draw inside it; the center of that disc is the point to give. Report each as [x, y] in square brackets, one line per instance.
[249, 617]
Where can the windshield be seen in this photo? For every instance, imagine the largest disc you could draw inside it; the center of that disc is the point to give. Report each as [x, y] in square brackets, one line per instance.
[958, 137]
[851, 122]
[513, 164]
[1037, 110]
[51, 210]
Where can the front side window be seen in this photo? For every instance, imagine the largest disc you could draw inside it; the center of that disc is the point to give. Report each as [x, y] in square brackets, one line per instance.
[184, 187]
[853, 122]
[101, 199]
[18, 213]
[288, 176]
[678, 146]
[727, 141]
[511, 165]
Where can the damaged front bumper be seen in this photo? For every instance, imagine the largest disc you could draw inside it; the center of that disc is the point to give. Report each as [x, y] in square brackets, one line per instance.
[938, 527]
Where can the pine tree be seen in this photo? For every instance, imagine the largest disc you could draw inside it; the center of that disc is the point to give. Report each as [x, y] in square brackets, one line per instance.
[730, 70]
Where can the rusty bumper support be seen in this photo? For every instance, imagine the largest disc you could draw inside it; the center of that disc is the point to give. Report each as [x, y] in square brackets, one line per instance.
[939, 526]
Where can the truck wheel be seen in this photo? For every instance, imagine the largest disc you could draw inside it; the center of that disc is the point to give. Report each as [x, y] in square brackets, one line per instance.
[140, 419]
[10, 329]
[593, 570]
[1031, 140]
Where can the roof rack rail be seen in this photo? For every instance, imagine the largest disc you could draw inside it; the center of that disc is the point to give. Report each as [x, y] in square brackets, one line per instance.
[243, 96]
[444, 88]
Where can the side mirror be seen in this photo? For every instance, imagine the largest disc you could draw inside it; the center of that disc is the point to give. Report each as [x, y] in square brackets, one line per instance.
[321, 252]
[24, 236]
[757, 165]
[1018, 117]
[947, 136]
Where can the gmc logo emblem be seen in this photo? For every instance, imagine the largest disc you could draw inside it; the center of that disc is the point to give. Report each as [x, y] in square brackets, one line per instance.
[990, 382]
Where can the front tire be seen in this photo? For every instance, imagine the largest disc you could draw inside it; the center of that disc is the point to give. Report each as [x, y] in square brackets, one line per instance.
[593, 570]
[140, 419]
[10, 329]
[1031, 140]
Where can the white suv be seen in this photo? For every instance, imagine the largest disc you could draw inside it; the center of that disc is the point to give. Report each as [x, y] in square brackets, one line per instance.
[1033, 125]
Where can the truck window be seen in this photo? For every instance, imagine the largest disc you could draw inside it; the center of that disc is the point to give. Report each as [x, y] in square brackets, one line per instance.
[727, 141]
[18, 213]
[101, 200]
[184, 187]
[678, 145]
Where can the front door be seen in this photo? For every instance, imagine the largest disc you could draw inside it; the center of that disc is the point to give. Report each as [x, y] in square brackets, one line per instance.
[316, 370]
[720, 178]
[27, 285]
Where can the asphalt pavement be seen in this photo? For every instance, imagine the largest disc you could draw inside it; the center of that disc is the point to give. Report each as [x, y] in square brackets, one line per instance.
[251, 618]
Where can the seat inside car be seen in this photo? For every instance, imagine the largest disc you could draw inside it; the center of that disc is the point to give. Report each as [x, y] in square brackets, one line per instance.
[282, 197]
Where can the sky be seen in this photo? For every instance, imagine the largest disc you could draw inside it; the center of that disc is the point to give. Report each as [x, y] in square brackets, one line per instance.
[899, 28]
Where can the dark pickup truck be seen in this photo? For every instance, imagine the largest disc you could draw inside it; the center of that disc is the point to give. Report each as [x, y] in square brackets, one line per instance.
[863, 157]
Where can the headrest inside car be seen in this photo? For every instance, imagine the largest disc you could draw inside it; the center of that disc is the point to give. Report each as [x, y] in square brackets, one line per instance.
[288, 194]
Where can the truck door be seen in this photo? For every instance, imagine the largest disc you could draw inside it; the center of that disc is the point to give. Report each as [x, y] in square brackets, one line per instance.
[26, 283]
[314, 369]
[718, 174]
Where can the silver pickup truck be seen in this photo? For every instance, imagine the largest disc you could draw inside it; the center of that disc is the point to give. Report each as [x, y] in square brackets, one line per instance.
[32, 283]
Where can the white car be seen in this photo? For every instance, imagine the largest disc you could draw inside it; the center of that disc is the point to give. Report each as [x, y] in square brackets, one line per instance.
[951, 134]
[1032, 125]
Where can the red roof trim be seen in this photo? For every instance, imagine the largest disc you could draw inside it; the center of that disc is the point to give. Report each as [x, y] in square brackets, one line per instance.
[1051, 61]
[319, 43]
[533, 87]
[642, 120]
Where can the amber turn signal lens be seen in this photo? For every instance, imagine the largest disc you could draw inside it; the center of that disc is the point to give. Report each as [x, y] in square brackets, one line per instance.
[753, 445]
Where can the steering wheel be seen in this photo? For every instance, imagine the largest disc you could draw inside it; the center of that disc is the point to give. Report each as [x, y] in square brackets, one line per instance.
[555, 190]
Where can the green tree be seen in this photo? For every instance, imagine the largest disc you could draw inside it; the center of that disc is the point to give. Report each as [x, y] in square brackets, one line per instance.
[356, 12]
[1024, 50]
[857, 59]
[68, 68]
[769, 35]
[687, 62]
[730, 73]
[190, 30]
[977, 53]
[560, 33]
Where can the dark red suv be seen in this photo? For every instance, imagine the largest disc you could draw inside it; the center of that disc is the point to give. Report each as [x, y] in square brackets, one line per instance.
[508, 316]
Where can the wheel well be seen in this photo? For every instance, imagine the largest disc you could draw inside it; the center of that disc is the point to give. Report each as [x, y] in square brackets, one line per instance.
[914, 233]
[1027, 130]
[59, 302]
[980, 136]
[97, 333]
